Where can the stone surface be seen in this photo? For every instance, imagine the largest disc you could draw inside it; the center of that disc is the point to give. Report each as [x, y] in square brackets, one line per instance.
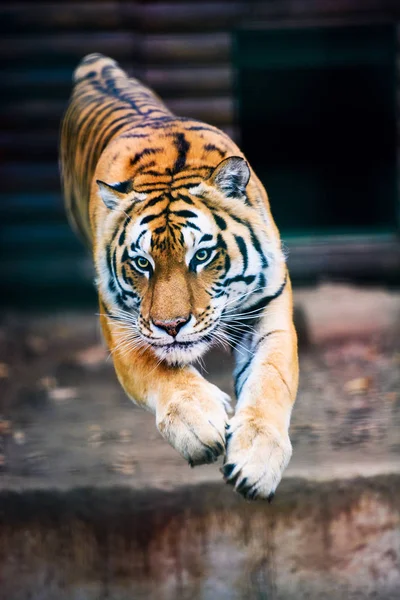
[317, 540]
[95, 504]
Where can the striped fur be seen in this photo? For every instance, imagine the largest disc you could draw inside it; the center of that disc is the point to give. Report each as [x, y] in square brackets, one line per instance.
[180, 231]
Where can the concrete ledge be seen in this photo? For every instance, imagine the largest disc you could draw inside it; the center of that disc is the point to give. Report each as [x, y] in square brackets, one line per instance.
[316, 540]
[94, 504]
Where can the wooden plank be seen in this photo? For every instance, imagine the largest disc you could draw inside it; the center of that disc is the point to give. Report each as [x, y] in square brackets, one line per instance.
[38, 235]
[30, 205]
[17, 177]
[200, 48]
[35, 114]
[36, 83]
[126, 47]
[368, 258]
[52, 84]
[216, 111]
[179, 16]
[198, 81]
[58, 49]
[55, 271]
[28, 145]
[190, 16]
[149, 16]
[21, 16]
[286, 9]
[24, 113]
[145, 17]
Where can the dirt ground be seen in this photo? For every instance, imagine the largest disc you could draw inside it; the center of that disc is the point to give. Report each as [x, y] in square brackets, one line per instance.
[65, 421]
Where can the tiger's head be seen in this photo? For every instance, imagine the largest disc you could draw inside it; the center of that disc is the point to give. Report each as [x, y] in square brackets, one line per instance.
[175, 260]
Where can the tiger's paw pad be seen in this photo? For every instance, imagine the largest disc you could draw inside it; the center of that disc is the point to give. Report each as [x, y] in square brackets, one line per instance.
[195, 426]
[256, 458]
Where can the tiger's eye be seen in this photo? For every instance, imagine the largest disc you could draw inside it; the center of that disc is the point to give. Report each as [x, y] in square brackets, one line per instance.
[202, 255]
[142, 262]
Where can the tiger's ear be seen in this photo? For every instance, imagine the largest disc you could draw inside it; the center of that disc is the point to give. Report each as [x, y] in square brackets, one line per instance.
[113, 193]
[231, 176]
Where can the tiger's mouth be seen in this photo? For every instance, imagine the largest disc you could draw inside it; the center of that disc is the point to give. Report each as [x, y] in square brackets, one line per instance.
[182, 343]
[182, 352]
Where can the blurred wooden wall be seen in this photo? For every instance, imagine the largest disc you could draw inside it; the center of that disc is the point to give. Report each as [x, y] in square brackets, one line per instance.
[182, 49]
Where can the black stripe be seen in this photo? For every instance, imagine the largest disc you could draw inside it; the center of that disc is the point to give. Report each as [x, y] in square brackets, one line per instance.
[185, 198]
[265, 301]
[242, 370]
[142, 169]
[188, 214]
[262, 282]
[183, 177]
[150, 218]
[221, 242]
[125, 276]
[111, 280]
[182, 146]
[123, 186]
[220, 221]
[257, 246]
[192, 226]
[125, 255]
[135, 245]
[240, 278]
[227, 264]
[114, 265]
[200, 128]
[104, 110]
[150, 187]
[146, 152]
[255, 241]
[102, 139]
[154, 201]
[243, 250]
[154, 173]
[135, 135]
[206, 238]
[111, 89]
[212, 148]
[248, 363]
[121, 238]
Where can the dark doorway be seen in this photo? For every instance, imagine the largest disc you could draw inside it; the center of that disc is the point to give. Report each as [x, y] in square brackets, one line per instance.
[317, 116]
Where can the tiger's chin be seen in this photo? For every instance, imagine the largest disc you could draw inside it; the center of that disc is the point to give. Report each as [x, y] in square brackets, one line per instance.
[181, 353]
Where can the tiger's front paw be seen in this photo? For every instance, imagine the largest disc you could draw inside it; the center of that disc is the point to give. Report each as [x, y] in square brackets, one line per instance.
[194, 423]
[257, 455]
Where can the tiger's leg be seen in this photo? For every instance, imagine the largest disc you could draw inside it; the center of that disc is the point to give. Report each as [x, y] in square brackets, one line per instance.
[190, 412]
[258, 444]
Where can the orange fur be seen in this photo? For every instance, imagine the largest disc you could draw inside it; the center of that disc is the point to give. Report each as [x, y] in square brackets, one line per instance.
[143, 185]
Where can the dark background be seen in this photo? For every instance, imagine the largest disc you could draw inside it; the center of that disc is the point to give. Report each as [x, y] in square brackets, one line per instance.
[307, 89]
[317, 116]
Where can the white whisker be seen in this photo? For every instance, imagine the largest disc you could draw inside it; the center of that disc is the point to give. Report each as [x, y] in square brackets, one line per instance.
[234, 341]
[238, 298]
[223, 338]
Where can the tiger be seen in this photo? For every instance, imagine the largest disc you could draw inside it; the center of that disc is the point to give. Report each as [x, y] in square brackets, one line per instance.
[186, 256]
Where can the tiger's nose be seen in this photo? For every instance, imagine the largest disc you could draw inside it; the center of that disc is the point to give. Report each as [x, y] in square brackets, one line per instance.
[172, 327]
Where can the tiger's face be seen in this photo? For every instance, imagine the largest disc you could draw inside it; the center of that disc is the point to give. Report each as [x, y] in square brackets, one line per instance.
[181, 260]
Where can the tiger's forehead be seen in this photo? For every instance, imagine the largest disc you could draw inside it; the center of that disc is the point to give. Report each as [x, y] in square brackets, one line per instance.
[172, 224]
[167, 158]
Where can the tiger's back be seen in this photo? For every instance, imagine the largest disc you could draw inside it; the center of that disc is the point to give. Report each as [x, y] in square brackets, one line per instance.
[112, 114]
